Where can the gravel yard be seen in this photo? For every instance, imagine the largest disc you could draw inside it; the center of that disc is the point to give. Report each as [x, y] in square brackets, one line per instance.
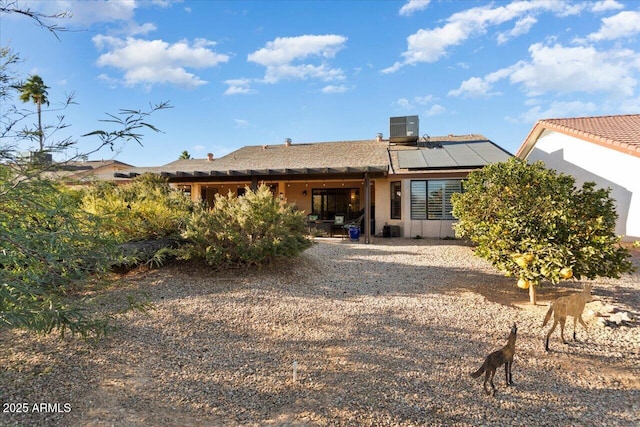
[381, 334]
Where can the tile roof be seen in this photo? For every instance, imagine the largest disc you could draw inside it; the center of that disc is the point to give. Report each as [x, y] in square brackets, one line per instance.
[621, 133]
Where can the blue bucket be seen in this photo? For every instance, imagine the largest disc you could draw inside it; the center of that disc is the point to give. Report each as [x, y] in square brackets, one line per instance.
[354, 233]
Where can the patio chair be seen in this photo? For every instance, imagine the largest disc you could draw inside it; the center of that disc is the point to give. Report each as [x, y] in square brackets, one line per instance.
[338, 224]
[312, 221]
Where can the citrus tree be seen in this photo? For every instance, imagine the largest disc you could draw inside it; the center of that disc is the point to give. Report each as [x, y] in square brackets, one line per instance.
[534, 224]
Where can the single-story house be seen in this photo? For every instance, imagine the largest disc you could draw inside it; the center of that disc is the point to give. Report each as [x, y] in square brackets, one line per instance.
[402, 185]
[82, 172]
[604, 149]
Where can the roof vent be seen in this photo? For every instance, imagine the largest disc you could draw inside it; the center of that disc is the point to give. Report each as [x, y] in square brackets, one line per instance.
[287, 142]
[404, 129]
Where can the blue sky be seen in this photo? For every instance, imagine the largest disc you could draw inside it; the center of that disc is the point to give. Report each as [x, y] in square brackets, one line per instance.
[257, 72]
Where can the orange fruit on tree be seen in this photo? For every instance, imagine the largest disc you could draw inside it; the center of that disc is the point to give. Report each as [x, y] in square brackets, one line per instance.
[566, 273]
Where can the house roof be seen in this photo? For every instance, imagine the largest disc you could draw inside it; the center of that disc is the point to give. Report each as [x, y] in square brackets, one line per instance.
[620, 133]
[323, 158]
[452, 152]
[86, 170]
[344, 158]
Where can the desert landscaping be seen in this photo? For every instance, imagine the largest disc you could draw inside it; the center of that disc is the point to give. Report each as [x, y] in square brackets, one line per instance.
[381, 334]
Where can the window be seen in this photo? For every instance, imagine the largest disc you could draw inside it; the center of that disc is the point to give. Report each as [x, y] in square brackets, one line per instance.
[186, 190]
[327, 202]
[396, 199]
[432, 199]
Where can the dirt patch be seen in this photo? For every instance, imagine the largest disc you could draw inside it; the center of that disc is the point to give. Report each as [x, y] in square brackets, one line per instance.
[381, 334]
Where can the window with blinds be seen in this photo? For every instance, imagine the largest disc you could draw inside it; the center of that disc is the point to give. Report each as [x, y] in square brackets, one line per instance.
[432, 199]
[396, 200]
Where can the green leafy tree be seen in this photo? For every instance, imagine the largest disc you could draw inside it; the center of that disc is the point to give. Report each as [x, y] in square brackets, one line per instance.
[253, 229]
[47, 248]
[184, 155]
[48, 245]
[534, 224]
[35, 90]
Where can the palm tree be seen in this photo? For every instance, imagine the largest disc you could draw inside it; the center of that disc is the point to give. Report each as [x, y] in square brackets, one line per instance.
[35, 90]
[185, 155]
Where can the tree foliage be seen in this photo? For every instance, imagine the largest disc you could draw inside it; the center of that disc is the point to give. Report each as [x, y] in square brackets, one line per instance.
[35, 90]
[147, 208]
[533, 223]
[253, 229]
[49, 247]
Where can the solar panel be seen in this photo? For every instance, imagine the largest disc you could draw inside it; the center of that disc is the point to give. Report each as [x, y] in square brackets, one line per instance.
[411, 160]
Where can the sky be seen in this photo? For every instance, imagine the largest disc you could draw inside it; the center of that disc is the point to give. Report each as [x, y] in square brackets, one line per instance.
[240, 73]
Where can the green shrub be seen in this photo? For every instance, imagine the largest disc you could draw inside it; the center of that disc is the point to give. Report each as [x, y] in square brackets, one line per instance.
[253, 229]
[147, 208]
[47, 247]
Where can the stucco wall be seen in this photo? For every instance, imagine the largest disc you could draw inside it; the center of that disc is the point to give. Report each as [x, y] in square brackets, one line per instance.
[608, 168]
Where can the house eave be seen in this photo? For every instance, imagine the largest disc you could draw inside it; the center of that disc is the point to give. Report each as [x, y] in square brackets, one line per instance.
[299, 173]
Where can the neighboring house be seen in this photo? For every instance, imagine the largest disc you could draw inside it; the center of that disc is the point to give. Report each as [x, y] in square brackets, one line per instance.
[605, 150]
[406, 184]
[78, 173]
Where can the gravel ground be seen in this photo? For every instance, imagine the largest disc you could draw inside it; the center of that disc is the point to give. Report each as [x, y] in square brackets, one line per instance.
[381, 334]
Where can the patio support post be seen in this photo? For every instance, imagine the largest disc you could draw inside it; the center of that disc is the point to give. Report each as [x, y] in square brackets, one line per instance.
[367, 210]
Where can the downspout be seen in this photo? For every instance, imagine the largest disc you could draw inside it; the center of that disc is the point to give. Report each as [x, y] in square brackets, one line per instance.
[367, 211]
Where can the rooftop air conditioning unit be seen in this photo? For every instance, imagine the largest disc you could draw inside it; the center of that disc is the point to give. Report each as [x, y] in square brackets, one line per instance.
[404, 129]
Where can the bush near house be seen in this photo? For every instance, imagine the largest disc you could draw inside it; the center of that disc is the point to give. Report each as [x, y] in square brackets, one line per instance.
[145, 209]
[254, 229]
[534, 224]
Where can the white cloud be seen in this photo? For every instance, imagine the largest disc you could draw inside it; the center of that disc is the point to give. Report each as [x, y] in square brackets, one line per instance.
[284, 50]
[144, 29]
[473, 87]
[404, 104]
[606, 5]
[560, 70]
[292, 57]
[556, 110]
[435, 110]
[429, 45]
[152, 62]
[335, 89]
[241, 123]
[482, 87]
[90, 12]
[239, 87]
[301, 72]
[523, 26]
[412, 6]
[624, 24]
[412, 104]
